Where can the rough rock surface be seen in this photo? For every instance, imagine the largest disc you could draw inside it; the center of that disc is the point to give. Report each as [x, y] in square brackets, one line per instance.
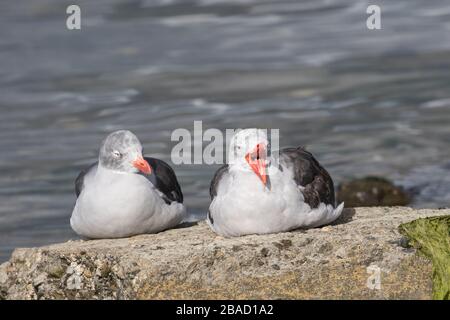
[337, 262]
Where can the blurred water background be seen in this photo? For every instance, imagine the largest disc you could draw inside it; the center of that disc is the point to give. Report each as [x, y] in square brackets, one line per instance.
[364, 102]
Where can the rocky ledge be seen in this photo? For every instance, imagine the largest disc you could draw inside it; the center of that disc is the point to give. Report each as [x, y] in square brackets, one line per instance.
[363, 255]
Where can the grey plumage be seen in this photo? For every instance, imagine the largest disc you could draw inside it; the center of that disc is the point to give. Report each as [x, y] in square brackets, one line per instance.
[118, 141]
[79, 181]
[216, 180]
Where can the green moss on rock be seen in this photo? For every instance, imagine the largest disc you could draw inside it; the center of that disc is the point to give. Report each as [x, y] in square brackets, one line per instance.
[431, 236]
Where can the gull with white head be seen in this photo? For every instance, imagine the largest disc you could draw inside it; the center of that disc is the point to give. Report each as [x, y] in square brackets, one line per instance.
[125, 193]
[257, 193]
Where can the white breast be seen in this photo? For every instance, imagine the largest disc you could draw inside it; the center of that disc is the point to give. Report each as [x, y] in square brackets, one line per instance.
[243, 205]
[114, 205]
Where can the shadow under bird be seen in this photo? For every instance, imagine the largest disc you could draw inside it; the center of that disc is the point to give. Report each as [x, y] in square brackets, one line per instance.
[254, 194]
[125, 193]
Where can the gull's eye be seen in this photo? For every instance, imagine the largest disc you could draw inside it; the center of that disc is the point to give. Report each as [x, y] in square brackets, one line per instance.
[116, 154]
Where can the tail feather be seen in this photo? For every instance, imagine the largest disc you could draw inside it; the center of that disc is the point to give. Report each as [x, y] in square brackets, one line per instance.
[337, 212]
[331, 216]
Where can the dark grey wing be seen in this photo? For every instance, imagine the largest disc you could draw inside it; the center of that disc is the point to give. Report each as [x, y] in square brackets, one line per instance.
[164, 179]
[79, 181]
[308, 173]
[214, 185]
[216, 179]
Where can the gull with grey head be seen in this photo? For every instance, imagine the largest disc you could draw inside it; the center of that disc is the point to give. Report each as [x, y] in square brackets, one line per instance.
[125, 193]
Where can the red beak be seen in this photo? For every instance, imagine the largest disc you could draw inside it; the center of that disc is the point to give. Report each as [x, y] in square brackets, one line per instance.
[142, 165]
[257, 161]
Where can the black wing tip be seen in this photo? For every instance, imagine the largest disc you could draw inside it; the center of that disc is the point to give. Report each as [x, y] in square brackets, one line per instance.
[166, 180]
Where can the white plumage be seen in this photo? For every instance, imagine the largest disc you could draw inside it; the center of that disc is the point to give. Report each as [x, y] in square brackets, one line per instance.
[244, 205]
[115, 205]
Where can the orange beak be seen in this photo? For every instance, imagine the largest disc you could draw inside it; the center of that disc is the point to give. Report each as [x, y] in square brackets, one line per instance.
[142, 165]
[257, 161]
